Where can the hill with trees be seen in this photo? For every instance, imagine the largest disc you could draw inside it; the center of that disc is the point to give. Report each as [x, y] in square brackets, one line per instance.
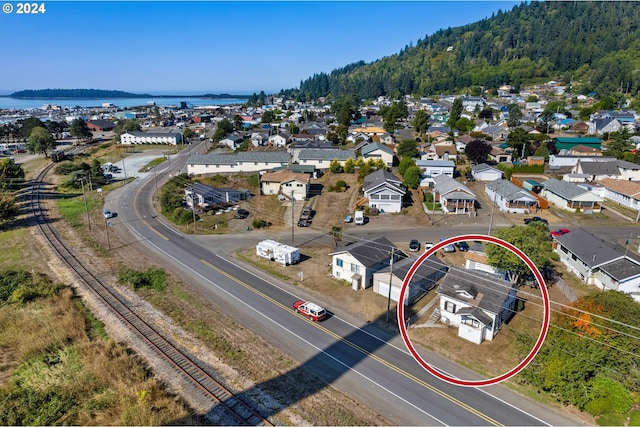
[594, 43]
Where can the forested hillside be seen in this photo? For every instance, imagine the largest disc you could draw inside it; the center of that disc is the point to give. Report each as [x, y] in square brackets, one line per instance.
[594, 43]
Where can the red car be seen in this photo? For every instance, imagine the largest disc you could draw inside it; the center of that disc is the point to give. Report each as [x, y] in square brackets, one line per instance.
[309, 309]
[559, 232]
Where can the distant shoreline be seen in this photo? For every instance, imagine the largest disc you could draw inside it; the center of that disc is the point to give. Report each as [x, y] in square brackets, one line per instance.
[96, 94]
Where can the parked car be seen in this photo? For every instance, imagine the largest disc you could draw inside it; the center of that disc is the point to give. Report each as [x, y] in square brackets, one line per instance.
[528, 221]
[306, 213]
[449, 247]
[304, 223]
[462, 246]
[311, 310]
[559, 232]
[414, 245]
[107, 213]
[348, 219]
[427, 246]
[242, 213]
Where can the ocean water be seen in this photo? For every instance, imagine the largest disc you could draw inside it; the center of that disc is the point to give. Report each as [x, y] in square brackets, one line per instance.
[23, 104]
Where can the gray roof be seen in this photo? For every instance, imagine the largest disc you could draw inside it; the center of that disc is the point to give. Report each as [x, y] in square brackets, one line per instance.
[281, 157]
[435, 163]
[508, 190]
[564, 189]
[623, 164]
[382, 176]
[488, 290]
[600, 168]
[369, 252]
[326, 154]
[431, 265]
[621, 269]
[444, 185]
[373, 146]
[482, 167]
[590, 249]
[162, 134]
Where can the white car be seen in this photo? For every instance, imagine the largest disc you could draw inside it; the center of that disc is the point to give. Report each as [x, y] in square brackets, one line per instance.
[107, 213]
[427, 246]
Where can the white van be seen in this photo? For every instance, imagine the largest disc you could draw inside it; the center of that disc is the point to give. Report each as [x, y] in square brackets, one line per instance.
[359, 218]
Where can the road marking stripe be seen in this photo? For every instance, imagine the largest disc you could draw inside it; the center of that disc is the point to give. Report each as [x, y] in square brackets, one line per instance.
[360, 349]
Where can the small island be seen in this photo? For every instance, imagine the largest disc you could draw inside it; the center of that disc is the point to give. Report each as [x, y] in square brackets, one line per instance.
[74, 94]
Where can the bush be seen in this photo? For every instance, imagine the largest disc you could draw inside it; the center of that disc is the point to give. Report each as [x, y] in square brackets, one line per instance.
[19, 287]
[341, 186]
[260, 223]
[154, 278]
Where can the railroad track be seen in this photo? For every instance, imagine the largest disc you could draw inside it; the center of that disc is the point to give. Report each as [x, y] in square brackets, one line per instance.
[218, 394]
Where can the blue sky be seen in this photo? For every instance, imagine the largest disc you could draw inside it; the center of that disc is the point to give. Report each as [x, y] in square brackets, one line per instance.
[235, 47]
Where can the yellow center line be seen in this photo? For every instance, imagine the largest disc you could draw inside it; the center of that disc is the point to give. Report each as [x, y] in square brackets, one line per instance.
[360, 349]
[156, 231]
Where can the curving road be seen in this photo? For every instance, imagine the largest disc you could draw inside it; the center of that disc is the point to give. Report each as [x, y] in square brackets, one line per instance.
[369, 364]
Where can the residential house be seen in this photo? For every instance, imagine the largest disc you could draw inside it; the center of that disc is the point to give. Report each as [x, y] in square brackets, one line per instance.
[384, 191]
[496, 133]
[498, 155]
[356, 262]
[604, 126]
[476, 302]
[285, 182]
[358, 137]
[206, 197]
[476, 258]
[241, 162]
[584, 150]
[570, 197]
[322, 158]
[377, 151]
[370, 130]
[484, 172]
[454, 197]
[296, 147]
[579, 127]
[424, 279]
[628, 171]
[387, 139]
[259, 139]
[598, 262]
[278, 140]
[625, 193]
[596, 171]
[231, 141]
[509, 197]
[432, 168]
[442, 151]
[562, 161]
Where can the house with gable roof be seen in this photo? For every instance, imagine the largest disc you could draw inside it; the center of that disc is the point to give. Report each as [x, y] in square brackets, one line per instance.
[286, 182]
[510, 198]
[476, 302]
[484, 172]
[356, 262]
[598, 262]
[596, 171]
[424, 279]
[625, 193]
[570, 197]
[376, 151]
[322, 158]
[384, 191]
[454, 197]
[278, 140]
[242, 162]
[604, 125]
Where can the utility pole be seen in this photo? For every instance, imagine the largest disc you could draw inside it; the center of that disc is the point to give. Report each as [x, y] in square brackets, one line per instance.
[86, 208]
[293, 205]
[493, 208]
[107, 223]
[390, 282]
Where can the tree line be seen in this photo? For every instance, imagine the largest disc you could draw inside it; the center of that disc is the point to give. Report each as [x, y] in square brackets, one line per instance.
[529, 42]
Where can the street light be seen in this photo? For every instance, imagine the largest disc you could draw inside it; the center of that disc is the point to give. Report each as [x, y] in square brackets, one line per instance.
[627, 242]
[84, 197]
[390, 283]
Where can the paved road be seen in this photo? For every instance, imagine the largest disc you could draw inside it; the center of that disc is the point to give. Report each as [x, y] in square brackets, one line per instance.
[369, 364]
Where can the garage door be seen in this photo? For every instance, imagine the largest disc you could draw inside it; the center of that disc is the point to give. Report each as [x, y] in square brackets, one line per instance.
[384, 291]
